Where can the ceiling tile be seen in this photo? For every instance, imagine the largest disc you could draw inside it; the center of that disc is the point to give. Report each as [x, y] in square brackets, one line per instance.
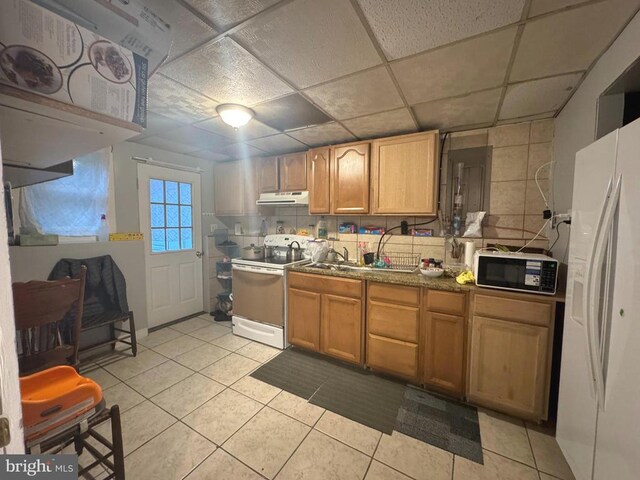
[569, 41]
[157, 124]
[310, 42]
[327, 134]
[360, 94]
[253, 129]
[226, 72]
[538, 7]
[197, 138]
[457, 69]
[188, 30]
[537, 96]
[209, 155]
[164, 144]
[292, 111]
[528, 118]
[280, 143]
[172, 100]
[472, 109]
[224, 14]
[381, 124]
[406, 27]
[240, 151]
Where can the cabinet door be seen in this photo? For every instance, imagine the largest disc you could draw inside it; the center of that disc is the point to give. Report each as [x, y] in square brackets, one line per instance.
[319, 180]
[228, 180]
[268, 174]
[350, 179]
[293, 172]
[392, 356]
[251, 186]
[507, 366]
[341, 325]
[303, 322]
[404, 175]
[444, 352]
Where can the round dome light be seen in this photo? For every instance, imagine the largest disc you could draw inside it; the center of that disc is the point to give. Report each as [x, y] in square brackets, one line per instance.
[234, 115]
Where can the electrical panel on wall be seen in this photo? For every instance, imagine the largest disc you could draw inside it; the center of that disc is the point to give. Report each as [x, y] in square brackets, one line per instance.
[468, 184]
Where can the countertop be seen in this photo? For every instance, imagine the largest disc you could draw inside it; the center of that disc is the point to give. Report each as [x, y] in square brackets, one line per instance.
[398, 278]
[417, 280]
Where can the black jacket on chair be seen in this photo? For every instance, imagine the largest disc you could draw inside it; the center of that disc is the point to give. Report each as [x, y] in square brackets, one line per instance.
[105, 292]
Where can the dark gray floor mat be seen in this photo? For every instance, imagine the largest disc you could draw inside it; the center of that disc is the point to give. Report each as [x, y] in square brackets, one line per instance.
[441, 422]
[296, 372]
[362, 397]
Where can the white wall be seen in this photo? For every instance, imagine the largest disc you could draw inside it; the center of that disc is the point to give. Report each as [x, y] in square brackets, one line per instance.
[575, 127]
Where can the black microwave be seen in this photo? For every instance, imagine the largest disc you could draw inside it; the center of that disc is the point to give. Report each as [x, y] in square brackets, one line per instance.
[521, 272]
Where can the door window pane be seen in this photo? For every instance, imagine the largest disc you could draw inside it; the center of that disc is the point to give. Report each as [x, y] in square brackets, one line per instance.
[171, 214]
[156, 190]
[185, 193]
[157, 215]
[157, 240]
[171, 191]
[185, 215]
[186, 235]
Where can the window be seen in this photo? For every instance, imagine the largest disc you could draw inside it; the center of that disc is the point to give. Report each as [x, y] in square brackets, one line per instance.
[73, 205]
[171, 216]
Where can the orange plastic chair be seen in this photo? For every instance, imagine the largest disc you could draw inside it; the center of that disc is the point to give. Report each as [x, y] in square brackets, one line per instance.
[56, 399]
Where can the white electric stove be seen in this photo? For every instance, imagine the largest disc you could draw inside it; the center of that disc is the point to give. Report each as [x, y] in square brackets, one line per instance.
[259, 292]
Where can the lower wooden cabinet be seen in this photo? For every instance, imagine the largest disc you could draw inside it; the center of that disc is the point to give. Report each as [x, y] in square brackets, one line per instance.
[326, 316]
[341, 327]
[303, 327]
[443, 356]
[510, 353]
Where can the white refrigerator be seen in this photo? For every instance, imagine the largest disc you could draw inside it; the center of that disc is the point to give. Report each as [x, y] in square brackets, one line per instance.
[598, 426]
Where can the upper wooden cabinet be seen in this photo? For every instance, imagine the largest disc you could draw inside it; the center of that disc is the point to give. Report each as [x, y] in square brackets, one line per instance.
[268, 174]
[404, 175]
[319, 180]
[350, 179]
[251, 169]
[293, 172]
[228, 188]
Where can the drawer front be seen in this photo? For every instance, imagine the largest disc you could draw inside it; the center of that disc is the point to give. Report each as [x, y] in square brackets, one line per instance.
[446, 302]
[344, 287]
[394, 293]
[392, 356]
[394, 321]
[535, 313]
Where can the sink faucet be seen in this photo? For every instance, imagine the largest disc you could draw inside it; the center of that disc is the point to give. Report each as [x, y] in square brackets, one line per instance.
[345, 255]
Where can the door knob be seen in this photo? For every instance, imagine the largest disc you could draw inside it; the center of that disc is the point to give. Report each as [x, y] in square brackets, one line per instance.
[199, 254]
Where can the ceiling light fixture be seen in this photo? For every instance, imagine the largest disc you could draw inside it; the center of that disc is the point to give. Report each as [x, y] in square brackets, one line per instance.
[234, 115]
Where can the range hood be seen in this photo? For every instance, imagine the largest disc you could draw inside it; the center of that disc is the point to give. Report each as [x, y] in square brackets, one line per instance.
[284, 198]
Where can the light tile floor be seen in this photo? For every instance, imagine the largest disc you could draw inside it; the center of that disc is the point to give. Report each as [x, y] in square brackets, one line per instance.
[190, 411]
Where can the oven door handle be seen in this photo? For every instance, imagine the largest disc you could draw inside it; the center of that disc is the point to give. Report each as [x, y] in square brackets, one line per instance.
[263, 271]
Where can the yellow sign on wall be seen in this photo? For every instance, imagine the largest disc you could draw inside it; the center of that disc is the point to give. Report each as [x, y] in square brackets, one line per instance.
[124, 237]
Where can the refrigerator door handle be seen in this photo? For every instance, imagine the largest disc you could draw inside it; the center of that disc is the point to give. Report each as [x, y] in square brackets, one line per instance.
[593, 286]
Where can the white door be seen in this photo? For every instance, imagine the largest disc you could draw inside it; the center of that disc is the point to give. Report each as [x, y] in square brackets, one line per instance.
[619, 419]
[170, 220]
[577, 403]
[10, 407]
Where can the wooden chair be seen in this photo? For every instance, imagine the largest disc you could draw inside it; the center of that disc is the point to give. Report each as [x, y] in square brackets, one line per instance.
[48, 316]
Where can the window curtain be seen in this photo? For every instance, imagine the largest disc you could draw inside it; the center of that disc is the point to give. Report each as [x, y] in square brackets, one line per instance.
[73, 205]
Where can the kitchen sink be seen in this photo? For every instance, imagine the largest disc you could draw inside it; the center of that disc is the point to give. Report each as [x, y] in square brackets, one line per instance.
[341, 267]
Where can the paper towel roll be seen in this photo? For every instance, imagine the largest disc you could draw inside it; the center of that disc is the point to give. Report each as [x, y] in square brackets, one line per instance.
[469, 250]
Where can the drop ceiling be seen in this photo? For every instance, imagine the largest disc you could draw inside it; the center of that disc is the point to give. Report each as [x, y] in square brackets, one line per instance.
[318, 72]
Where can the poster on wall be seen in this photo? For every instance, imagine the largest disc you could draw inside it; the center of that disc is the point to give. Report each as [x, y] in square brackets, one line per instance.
[46, 54]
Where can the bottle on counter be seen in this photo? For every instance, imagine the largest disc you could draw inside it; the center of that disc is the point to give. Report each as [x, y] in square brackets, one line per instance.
[103, 233]
[322, 229]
